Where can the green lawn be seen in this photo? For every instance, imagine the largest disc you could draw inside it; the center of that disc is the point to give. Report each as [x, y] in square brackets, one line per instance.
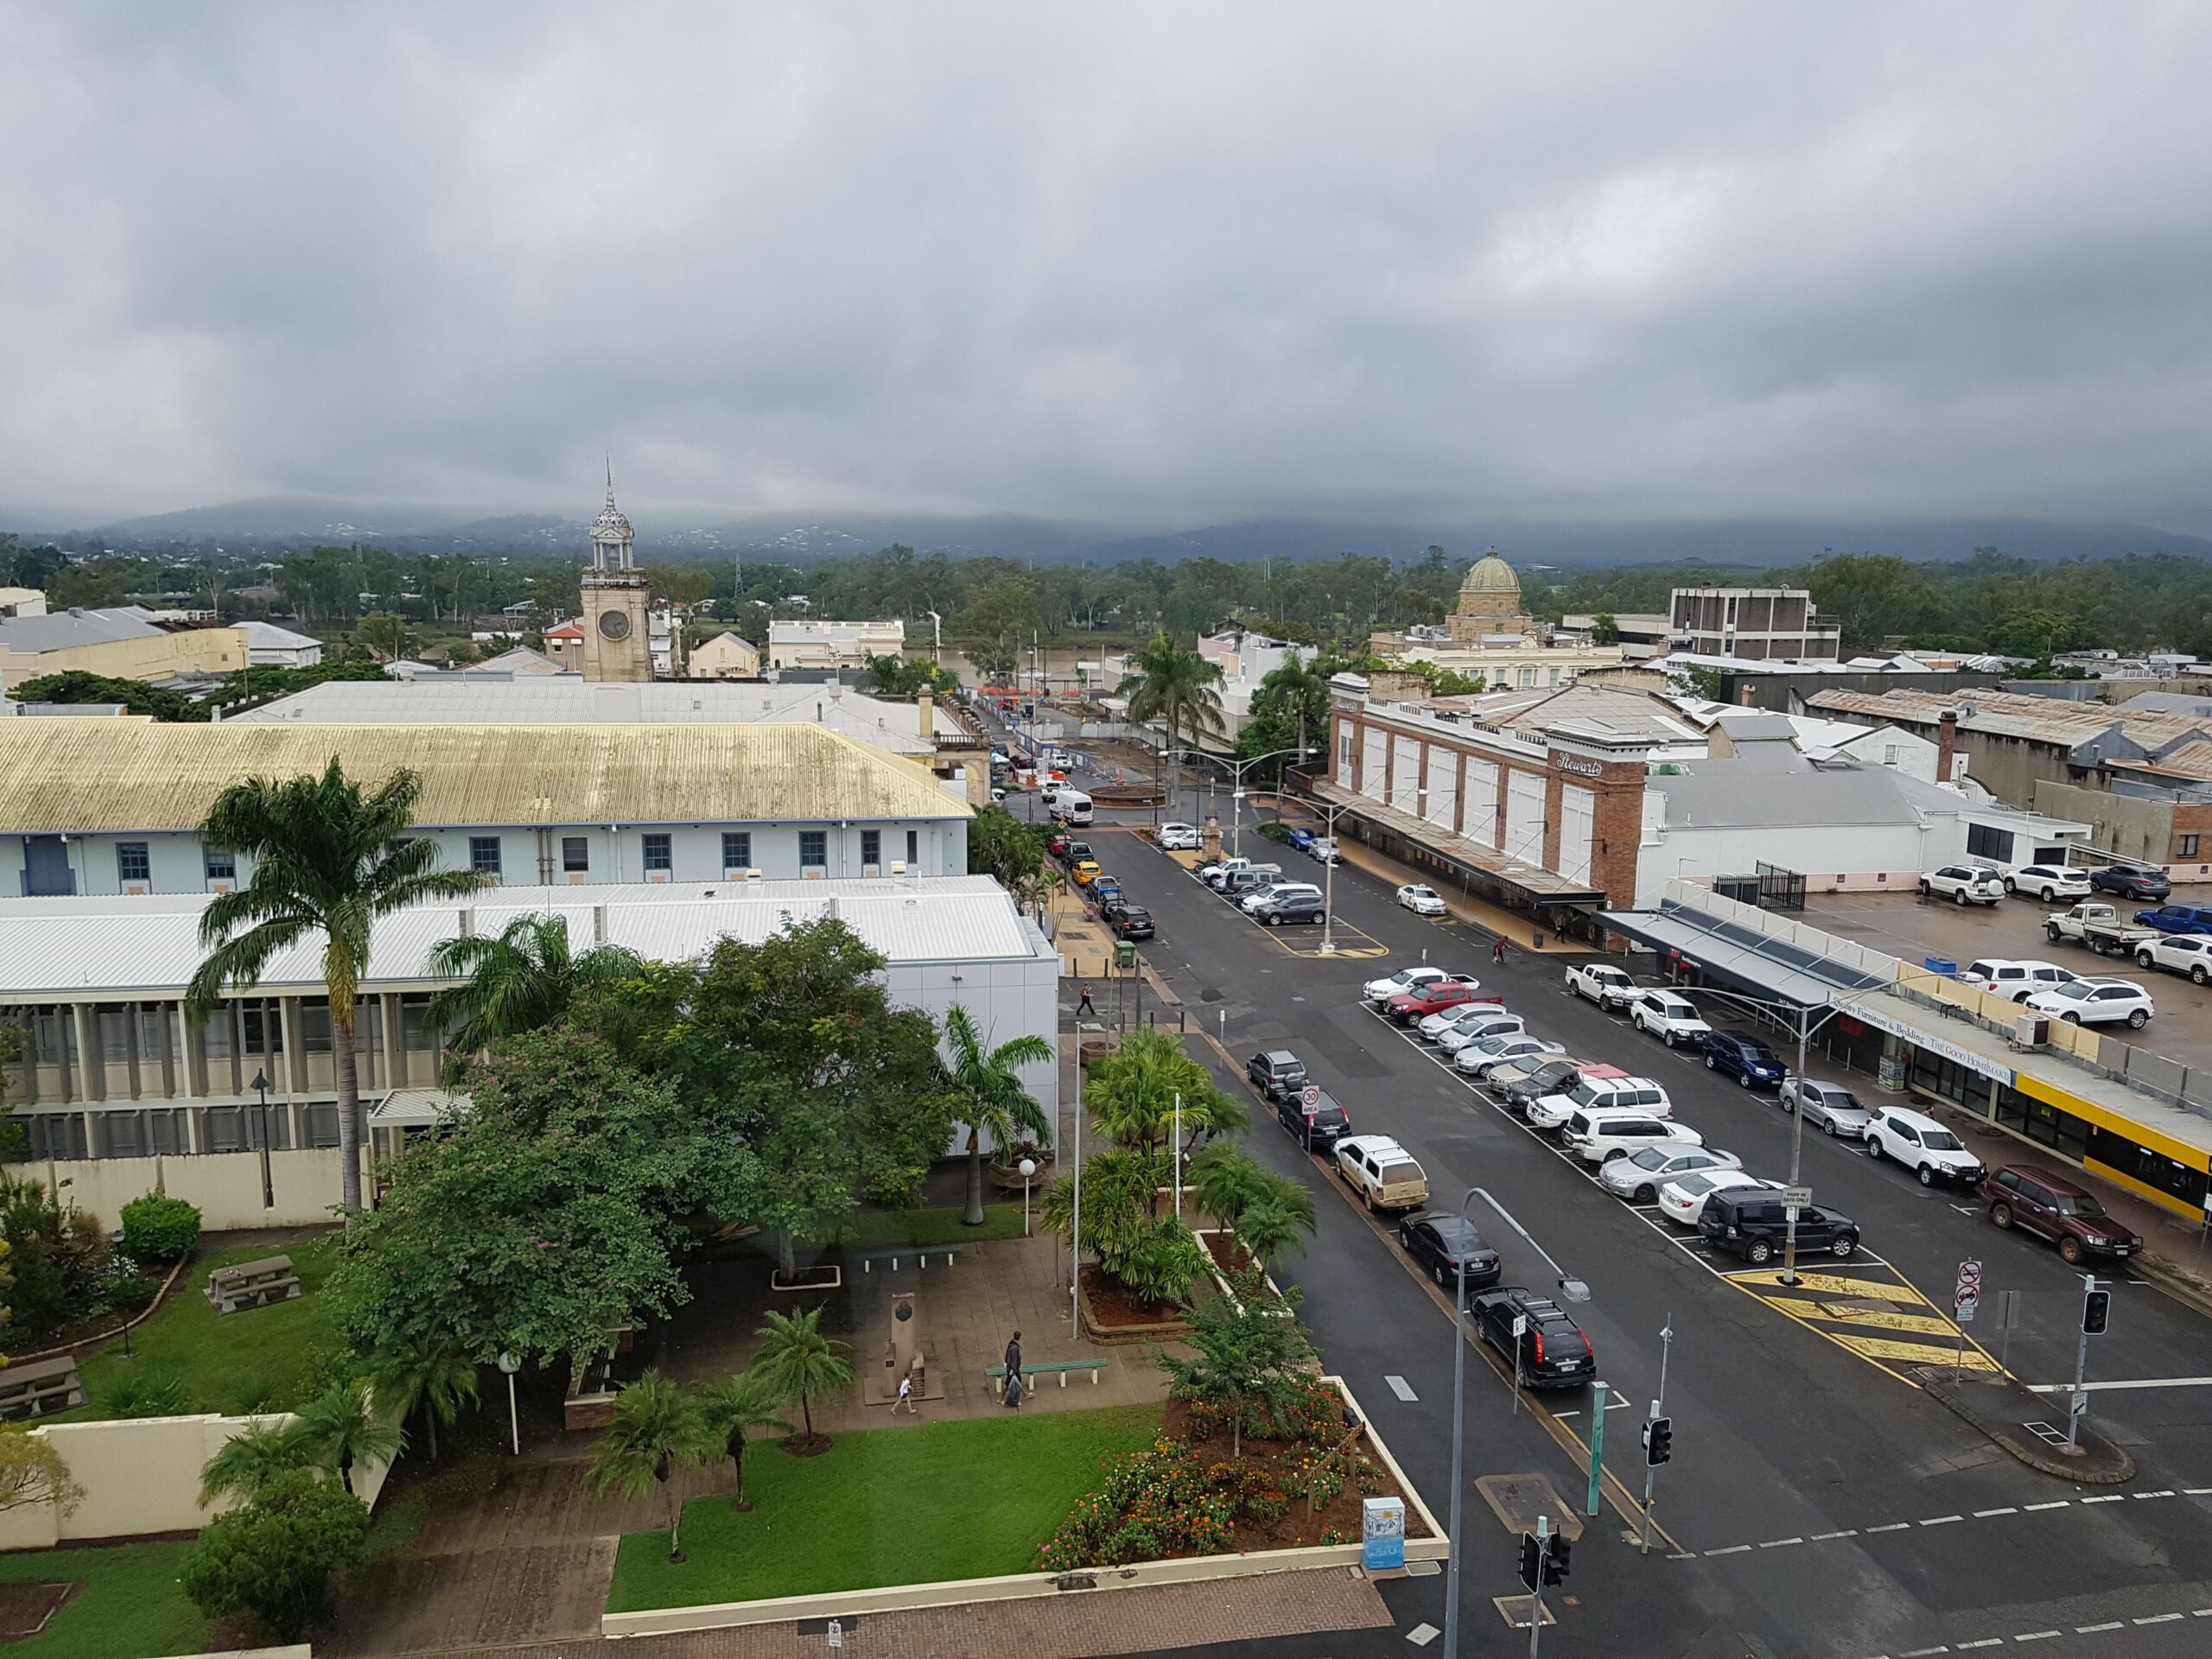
[129, 1608]
[881, 1229]
[911, 1504]
[247, 1361]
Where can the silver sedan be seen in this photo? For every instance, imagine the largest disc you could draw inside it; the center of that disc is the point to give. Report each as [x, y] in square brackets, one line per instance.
[1639, 1176]
[1827, 1106]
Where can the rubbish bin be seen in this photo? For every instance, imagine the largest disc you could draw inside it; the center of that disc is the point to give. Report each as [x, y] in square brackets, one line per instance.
[1125, 953]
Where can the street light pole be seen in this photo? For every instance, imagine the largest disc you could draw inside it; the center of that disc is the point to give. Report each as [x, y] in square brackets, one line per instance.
[260, 1086]
[1797, 1150]
[1574, 1290]
[1658, 1410]
[1075, 1223]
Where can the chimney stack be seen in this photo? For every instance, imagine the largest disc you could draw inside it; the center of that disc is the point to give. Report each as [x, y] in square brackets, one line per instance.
[1947, 744]
[926, 705]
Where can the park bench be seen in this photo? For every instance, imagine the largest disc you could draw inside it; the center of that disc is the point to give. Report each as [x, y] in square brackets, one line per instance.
[40, 1386]
[252, 1284]
[1046, 1367]
[919, 1255]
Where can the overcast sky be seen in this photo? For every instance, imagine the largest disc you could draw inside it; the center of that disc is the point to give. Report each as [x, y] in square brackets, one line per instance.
[1146, 264]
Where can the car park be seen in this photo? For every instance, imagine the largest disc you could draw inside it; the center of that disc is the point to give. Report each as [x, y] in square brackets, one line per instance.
[1422, 901]
[2004, 977]
[1445, 1244]
[1682, 1199]
[1234, 875]
[1484, 1058]
[1275, 1072]
[1384, 1175]
[2178, 919]
[1669, 1016]
[1588, 1092]
[1739, 1055]
[2096, 1002]
[1475, 1026]
[1323, 848]
[2099, 926]
[1239, 885]
[1962, 884]
[1320, 1126]
[1132, 922]
[2131, 881]
[2036, 1200]
[1599, 1137]
[1609, 986]
[1408, 979]
[1829, 1106]
[1553, 1078]
[2049, 882]
[1552, 1351]
[1179, 838]
[1411, 1007]
[1637, 1177]
[1750, 1221]
[1923, 1146]
[1296, 908]
[2179, 953]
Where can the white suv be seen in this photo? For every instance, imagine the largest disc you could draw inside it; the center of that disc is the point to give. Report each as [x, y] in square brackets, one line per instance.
[2184, 953]
[1599, 1137]
[2049, 882]
[1407, 979]
[1599, 1093]
[2096, 1002]
[1962, 885]
[1923, 1146]
[1275, 891]
[2016, 980]
[1669, 1016]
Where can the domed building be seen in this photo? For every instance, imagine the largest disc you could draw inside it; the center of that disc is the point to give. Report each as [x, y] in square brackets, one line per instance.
[1490, 601]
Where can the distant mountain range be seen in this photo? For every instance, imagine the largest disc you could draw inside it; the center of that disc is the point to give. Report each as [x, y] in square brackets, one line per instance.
[803, 537]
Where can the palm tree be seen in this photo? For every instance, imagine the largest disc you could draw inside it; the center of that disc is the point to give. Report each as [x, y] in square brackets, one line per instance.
[522, 978]
[329, 859]
[1226, 1180]
[655, 1429]
[1304, 689]
[994, 1100]
[1271, 1225]
[343, 1429]
[428, 1380]
[734, 1408]
[251, 1459]
[1133, 1092]
[797, 1361]
[1180, 689]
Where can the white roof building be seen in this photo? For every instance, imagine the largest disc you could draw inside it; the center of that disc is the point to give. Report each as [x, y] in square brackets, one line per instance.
[268, 645]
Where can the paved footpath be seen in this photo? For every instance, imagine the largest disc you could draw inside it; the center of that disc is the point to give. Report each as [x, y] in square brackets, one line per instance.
[1073, 1626]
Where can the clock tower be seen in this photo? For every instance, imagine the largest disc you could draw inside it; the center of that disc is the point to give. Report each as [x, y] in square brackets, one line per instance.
[616, 643]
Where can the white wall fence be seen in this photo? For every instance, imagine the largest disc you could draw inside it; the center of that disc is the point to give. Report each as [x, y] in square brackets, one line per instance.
[140, 1475]
[225, 1185]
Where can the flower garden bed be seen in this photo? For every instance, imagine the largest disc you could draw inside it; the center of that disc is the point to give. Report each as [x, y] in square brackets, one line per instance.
[1186, 1494]
[1111, 1314]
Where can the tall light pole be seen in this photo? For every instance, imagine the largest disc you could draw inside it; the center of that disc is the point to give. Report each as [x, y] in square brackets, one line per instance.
[1075, 1221]
[1570, 1288]
[260, 1086]
[936, 636]
[1236, 770]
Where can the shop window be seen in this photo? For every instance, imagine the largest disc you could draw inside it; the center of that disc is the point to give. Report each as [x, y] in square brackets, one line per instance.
[576, 855]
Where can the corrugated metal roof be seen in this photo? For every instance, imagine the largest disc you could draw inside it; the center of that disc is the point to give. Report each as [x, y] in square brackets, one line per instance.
[71, 776]
[59, 630]
[64, 947]
[2010, 713]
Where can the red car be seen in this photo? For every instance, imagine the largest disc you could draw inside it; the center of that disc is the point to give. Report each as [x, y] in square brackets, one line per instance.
[1056, 845]
[1409, 1008]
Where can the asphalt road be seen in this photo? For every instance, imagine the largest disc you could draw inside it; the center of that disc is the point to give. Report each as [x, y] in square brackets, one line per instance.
[1818, 1504]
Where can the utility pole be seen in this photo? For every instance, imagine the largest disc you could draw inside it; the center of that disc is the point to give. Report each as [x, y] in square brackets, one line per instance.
[1796, 1155]
[1536, 1591]
[2096, 1314]
[1658, 1442]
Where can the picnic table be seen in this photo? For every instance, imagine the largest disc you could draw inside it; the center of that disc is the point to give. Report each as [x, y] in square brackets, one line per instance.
[41, 1386]
[252, 1284]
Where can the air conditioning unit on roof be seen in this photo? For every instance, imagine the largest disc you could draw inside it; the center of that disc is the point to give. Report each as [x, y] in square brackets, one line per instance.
[2031, 1031]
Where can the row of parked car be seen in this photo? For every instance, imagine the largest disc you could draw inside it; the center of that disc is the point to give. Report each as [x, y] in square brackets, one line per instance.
[1263, 892]
[1981, 884]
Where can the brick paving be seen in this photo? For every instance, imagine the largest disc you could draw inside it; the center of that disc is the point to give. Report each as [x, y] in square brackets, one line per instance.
[1073, 1626]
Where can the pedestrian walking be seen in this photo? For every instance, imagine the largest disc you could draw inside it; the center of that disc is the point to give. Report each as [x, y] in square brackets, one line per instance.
[1084, 1007]
[906, 1397]
[1013, 1372]
[1497, 951]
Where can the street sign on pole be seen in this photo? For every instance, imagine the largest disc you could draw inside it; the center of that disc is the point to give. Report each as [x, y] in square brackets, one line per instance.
[1310, 1098]
[1795, 1198]
[1597, 1393]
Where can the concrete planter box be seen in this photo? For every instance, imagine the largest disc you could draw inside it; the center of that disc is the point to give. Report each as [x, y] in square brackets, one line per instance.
[1221, 1279]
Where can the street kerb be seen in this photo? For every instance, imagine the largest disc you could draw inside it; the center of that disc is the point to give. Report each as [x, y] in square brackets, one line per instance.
[1015, 1586]
[2010, 1415]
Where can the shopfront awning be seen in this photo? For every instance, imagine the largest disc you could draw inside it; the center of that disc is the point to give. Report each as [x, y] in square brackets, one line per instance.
[418, 1109]
[1490, 864]
[1740, 957]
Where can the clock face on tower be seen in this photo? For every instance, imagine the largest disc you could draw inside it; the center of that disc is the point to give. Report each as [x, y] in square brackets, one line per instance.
[614, 625]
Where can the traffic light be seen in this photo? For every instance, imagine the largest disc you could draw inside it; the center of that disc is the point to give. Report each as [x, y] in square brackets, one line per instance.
[1532, 1555]
[1658, 1440]
[1555, 1564]
[2096, 1311]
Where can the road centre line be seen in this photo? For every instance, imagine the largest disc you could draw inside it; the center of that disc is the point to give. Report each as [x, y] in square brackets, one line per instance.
[1942, 1521]
[1984, 1514]
[2135, 1382]
[2092, 1630]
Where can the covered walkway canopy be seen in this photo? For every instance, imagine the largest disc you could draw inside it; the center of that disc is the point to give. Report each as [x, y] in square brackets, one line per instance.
[1740, 957]
[1482, 865]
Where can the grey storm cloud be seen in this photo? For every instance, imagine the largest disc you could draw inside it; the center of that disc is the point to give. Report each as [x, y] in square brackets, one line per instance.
[1138, 263]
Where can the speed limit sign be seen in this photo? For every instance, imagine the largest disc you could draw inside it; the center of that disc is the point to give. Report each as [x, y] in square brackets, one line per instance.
[1310, 1098]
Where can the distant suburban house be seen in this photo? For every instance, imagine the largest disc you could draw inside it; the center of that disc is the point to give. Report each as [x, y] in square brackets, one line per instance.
[728, 656]
[828, 644]
[123, 642]
[268, 645]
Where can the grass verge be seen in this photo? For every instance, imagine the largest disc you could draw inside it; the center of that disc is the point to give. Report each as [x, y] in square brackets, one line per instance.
[913, 1504]
[252, 1360]
[130, 1607]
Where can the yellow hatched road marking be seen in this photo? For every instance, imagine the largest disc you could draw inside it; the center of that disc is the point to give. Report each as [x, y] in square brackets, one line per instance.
[1926, 1325]
[1914, 1353]
[1893, 1289]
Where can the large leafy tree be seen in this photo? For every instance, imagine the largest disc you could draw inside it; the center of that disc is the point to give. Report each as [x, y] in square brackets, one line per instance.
[522, 978]
[541, 1222]
[802, 1087]
[329, 858]
[1176, 688]
[1004, 848]
[1250, 1358]
[79, 685]
[1139, 1094]
[993, 1100]
[1290, 710]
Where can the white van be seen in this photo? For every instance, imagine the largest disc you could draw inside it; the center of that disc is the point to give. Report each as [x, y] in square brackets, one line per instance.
[1071, 806]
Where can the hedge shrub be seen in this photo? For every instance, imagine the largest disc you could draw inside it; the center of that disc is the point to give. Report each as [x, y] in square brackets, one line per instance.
[157, 1228]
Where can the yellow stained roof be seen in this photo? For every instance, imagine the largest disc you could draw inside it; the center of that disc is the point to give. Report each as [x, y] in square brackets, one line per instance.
[63, 776]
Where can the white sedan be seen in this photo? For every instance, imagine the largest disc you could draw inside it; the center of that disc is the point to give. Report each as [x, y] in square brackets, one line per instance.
[1491, 1054]
[1178, 837]
[2095, 1003]
[1422, 901]
[1682, 1199]
[1407, 979]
